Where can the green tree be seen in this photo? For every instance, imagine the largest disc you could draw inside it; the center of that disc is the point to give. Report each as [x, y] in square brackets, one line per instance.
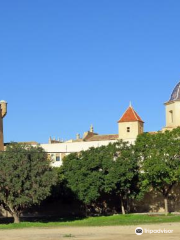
[159, 160]
[84, 172]
[106, 169]
[123, 176]
[25, 178]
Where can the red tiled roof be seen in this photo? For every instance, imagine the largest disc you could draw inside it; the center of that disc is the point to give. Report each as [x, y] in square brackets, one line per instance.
[130, 116]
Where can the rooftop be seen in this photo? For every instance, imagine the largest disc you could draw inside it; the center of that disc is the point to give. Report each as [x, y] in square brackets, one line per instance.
[176, 93]
[106, 137]
[130, 116]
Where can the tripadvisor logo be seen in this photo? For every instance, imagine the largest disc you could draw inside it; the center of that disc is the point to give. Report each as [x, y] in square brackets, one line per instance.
[139, 231]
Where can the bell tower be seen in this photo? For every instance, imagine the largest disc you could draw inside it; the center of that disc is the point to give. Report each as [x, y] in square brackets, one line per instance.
[130, 125]
[173, 109]
[3, 111]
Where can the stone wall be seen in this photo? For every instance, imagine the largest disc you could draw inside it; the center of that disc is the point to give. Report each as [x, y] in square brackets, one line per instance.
[152, 202]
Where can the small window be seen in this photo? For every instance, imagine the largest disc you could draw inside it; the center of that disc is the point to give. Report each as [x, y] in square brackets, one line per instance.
[128, 129]
[171, 115]
[57, 158]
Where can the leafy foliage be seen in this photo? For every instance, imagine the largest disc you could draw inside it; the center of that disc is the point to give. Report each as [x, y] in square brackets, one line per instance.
[25, 177]
[159, 157]
[123, 175]
[84, 173]
[106, 169]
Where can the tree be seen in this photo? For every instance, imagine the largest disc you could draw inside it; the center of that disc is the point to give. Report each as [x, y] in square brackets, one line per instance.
[123, 175]
[159, 158]
[25, 178]
[104, 170]
[84, 172]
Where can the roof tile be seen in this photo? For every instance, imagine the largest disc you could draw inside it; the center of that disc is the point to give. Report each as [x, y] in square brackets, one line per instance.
[130, 116]
[107, 137]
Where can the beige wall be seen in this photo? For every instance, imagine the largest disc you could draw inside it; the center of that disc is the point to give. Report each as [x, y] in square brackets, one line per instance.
[154, 202]
[173, 114]
[136, 128]
[1, 133]
[3, 111]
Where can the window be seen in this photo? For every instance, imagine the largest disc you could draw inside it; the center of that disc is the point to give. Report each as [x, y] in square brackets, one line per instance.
[57, 158]
[171, 116]
[128, 129]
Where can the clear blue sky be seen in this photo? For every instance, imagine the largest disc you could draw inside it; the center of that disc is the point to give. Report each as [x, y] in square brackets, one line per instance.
[66, 64]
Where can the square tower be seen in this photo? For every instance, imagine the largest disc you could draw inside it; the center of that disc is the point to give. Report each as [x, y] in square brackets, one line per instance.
[130, 125]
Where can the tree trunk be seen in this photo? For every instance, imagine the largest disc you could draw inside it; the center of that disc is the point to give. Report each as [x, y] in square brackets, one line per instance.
[86, 210]
[16, 218]
[122, 206]
[166, 205]
[128, 208]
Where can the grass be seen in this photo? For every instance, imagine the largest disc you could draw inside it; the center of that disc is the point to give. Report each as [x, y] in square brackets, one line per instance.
[115, 220]
[68, 235]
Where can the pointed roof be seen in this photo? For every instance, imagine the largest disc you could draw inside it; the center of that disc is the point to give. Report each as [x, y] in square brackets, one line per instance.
[130, 115]
[175, 96]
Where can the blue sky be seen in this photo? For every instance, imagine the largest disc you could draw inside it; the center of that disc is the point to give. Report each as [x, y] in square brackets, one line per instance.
[66, 64]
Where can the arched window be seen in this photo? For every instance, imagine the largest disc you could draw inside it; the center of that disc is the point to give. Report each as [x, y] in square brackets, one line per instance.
[171, 116]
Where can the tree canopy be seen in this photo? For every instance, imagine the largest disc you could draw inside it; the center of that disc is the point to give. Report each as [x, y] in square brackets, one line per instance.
[84, 172]
[123, 177]
[159, 158]
[25, 178]
[105, 169]
[126, 170]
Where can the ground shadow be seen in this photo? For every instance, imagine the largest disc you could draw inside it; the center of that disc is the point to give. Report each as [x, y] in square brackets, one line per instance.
[41, 219]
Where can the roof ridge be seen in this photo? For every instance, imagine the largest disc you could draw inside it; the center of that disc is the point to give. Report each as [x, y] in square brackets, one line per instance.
[124, 113]
[130, 115]
[135, 114]
[107, 134]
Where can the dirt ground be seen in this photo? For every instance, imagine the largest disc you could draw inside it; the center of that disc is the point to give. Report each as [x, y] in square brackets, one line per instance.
[92, 233]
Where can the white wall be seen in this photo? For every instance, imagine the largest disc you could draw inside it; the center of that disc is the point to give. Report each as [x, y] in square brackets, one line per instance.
[66, 148]
[70, 147]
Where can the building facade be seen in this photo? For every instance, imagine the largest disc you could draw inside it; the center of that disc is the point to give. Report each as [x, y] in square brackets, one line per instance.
[130, 126]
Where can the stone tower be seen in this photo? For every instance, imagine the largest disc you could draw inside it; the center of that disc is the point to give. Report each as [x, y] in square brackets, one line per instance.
[130, 125]
[173, 109]
[3, 111]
